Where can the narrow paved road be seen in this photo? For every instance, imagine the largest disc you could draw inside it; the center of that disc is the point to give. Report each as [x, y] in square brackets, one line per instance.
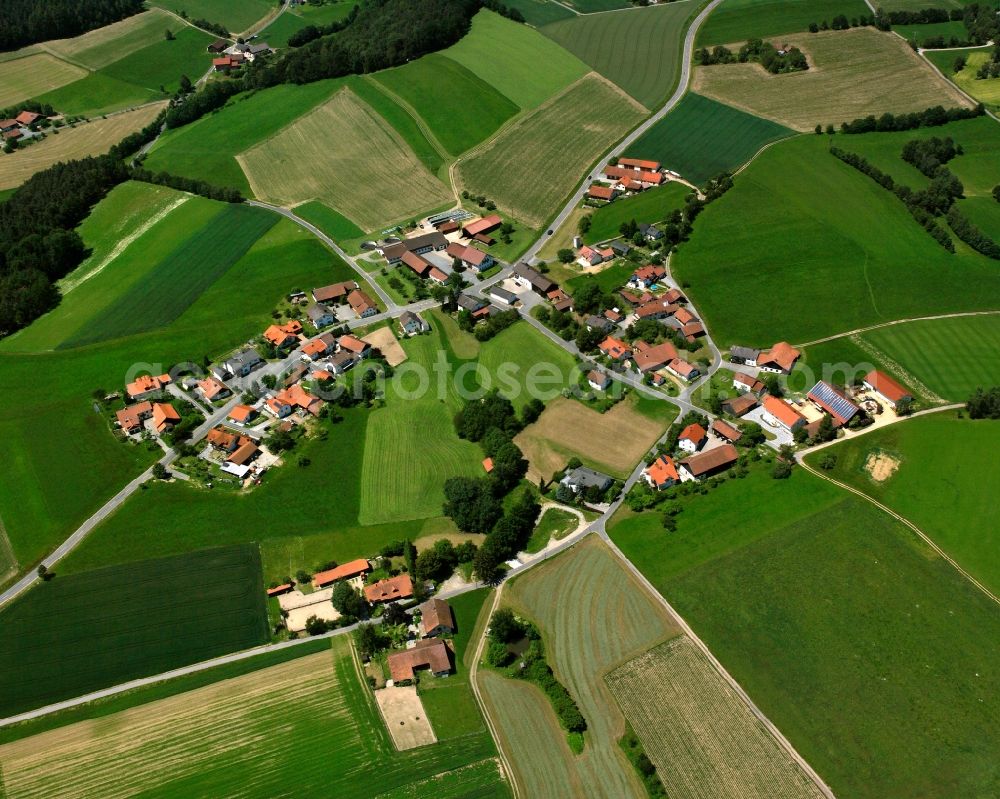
[624, 144]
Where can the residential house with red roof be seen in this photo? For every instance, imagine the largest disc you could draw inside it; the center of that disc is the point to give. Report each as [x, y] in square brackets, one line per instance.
[885, 388]
[646, 276]
[640, 164]
[212, 389]
[661, 473]
[682, 369]
[779, 413]
[130, 419]
[744, 382]
[363, 305]
[345, 571]
[436, 618]
[399, 587]
[242, 414]
[482, 226]
[599, 192]
[146, 385]
[780, 359]
[615, 349]
[430, 654]
[692, 437]
[164, 416]
[650, 357]
[708, 463]
[282, 336]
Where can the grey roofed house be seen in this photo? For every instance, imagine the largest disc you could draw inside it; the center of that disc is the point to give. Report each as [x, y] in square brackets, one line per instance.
[470, 304]
[416, 245]
[500, 293]
[243, 362]
[411, 323]
[599, 323]
[743, 354]
[259, 49]
[581, 478]
[651, 232]
[320, 315]
[620, 247]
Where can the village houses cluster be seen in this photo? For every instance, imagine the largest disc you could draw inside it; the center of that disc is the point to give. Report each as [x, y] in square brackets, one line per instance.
[628, 176]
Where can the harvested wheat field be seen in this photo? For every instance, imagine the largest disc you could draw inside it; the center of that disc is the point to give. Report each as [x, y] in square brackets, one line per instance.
[851, 74]
[346, 155]
[571, 130]
[704, 741]
[21, 78]
[89, 138]
[384, 340]
[615, 440]
[105, 45]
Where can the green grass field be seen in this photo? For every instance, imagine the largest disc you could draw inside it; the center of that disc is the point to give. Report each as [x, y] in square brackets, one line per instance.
[442, 92]
[207, 149]
[163, 63]
[653, 205]
[523, 65]
[203, 743]
[739, 20]
[180, 276]
[554, 522]
[540, 12]
[96, 94]
[596, 6]
[586, 632]
[410, 445]
[985, 91]
[61, 462]
[952, 357]
[919, 33]
[836, 227]
[609, 279]
[104, 45]
[949, 502]
[910, 5]
[566, 131]
[701, 138]
[295, 18]
[841, 626]
[236, 16]
[32, 75]
[335, 225]
[78, 633]
[640, 51]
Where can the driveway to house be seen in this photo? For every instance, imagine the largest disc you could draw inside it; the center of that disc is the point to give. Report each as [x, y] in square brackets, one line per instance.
[624, 144]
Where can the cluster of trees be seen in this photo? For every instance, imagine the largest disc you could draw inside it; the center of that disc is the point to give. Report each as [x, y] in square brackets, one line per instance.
[12, 111]
[972, 235]
[194, 186]
[208, 25]
[989, 69]
[488, 328]
[913, 200]
[929, 155]
[842, 23]
[652, 332]
[981, 22]
[928, 118]
[632, 747]
[923, 16]
[506, 629]
[984, 404]
[764, 53]
[311, 32]
[27, 21]
[996, 192]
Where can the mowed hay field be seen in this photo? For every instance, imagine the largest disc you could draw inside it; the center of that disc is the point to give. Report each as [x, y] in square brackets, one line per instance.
[736, 20]
[701, 138]
[639, 51]
[410, 445]
[103, 46]
[516, 169]
[348, 156]
[615, 440]
[836, 227]
[953, 511]
[851, 74]
[703, 739]
[22, 78]
[952, 357]
[90, 138]
[309, 722]
[593, 616]
[78, 633]
[842, 627]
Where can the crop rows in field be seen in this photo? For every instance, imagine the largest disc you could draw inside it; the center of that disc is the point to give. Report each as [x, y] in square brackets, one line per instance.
[704, 741]
[79, 633]
[739, 20]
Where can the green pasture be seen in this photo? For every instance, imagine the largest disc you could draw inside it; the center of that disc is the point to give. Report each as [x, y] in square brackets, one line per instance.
[295, 18]
[96, 94]
[460, 108]
[609, 279]
[836, 227]
[702, 137]
[337, 226]
[163, 63]
[594, 6]
[986, 91]
[540, 12]
[107, 44]
[952, 357]
[653, 205]
[522, 65]
[62, 462]
[640, 51]
[917, 34]
[235, 15]
[739, 20]
[178, 278]
[79, 633]
[841, 626]
[952, 511]
[984, 212]
[913, 5]
[520, 357]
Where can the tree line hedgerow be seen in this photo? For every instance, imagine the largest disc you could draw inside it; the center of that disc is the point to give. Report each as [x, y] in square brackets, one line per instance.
[28, 21]
[928, 118]
[756, 50]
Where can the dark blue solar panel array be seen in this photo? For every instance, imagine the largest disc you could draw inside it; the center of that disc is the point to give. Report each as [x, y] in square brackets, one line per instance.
[825, 393]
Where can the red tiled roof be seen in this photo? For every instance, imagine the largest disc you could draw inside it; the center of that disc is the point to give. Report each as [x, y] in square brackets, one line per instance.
[614, 348]
[694, 433]
[430, 653]
[131, 417]
[650, 272]
[352, 344]
[601, 192]
[164, 416]
[662, 471]
[681, 367]
[649, 358]
[400, 587]
[245, 452]
[484, 225]
[342, 572]
[639, 163]
[279, 589]
[726, 430]
[488, 465]
[334, 291]
[781, 354]
[242, 413]
[436, 613]
[146, 383]
[360, 302]
[782, 411]
[711, 460]
[886, 386]
[683, 315]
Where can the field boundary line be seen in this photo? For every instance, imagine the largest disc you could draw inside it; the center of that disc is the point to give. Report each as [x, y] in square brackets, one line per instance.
[686, 629]
[767, 146]
[902, 519]
[880, 325]
[7, 552]
[409, 109]
[515, 789]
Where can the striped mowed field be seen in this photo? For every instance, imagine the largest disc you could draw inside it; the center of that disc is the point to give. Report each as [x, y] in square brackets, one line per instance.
[103, 46]
[21, 78]
[346, 155]
[516, 169]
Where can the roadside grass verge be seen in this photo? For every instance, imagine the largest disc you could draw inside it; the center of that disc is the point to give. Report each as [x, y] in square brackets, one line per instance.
[739, 20]
[79, 633]
[852, 74]
[564, 130]
[639, 51]
[785, 601]
[372, 177]
[701, 138]
[836, 227]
